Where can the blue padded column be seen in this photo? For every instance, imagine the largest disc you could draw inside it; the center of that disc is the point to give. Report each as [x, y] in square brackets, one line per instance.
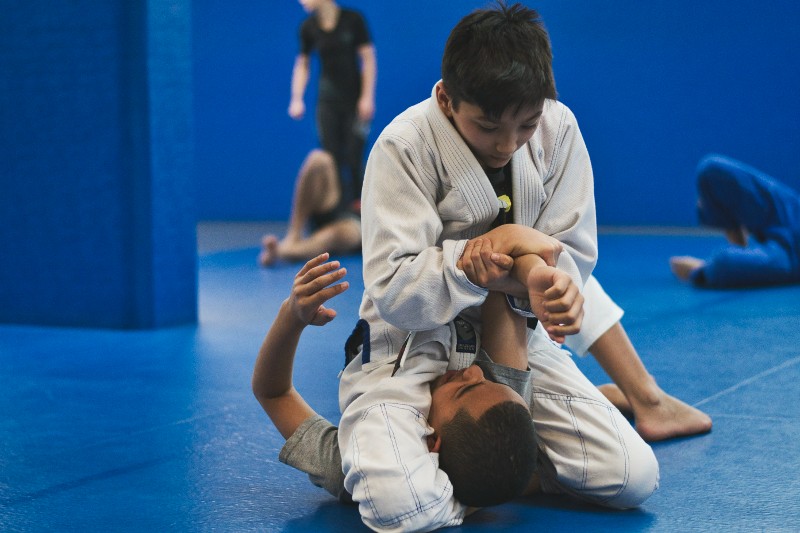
[97, 217]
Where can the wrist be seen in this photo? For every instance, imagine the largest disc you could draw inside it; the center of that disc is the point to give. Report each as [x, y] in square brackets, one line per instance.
[289, 319]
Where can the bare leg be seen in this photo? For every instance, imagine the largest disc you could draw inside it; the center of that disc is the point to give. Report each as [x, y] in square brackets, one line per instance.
[658, 415]
[316, 191]
[339, 237]
[684, 265]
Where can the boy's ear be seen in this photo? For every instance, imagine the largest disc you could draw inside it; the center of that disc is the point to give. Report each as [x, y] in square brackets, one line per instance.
[444, 101]
[434, 443]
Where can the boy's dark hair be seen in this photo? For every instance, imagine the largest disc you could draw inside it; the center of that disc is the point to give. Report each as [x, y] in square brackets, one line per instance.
[498, 58]
[490, 460]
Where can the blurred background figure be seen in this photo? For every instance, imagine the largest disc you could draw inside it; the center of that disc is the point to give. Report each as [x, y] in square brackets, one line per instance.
[346, 95]
[761, 220]
[319, 222]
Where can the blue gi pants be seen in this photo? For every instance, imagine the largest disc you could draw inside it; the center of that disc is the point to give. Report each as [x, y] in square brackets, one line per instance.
[733, 195]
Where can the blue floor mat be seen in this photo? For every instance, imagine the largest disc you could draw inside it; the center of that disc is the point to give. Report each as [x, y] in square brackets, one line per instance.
[158, 430]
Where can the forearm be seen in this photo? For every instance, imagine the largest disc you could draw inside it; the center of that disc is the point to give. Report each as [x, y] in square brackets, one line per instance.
[369, 72]
[272, 375]
[420, 292]
[410, 269]
[498, 271]
[300, 74]
[523, 265]
[517, 240]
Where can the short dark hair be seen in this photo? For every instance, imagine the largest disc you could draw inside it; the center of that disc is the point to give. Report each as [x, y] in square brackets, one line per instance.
[490, 460]
[498, 58]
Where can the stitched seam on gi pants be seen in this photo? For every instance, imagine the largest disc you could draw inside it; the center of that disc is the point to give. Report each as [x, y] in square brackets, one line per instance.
[419, 508]
[577, 430]
[569, 400]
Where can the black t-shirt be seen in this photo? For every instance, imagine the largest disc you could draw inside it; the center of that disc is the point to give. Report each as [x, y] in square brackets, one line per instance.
[501, 182]
[500, 179]
[340, 76]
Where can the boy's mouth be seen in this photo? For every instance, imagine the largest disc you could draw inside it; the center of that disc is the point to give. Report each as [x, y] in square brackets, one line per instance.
[497, 162]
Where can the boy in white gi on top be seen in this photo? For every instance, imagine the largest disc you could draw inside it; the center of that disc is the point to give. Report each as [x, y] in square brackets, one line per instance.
[491, 139]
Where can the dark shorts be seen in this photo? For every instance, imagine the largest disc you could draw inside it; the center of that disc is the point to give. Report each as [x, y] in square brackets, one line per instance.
[317, 222]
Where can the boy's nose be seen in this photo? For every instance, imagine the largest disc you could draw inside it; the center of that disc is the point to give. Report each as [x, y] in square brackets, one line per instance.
[506, 145]
[473, 373]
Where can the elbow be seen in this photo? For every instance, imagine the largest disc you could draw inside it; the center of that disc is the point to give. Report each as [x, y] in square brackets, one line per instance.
[254, 386]
[386, 302]
[262, 391]
[408, 317]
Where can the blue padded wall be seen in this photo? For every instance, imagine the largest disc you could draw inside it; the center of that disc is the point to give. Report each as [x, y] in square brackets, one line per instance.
[97, 216]
[655, 85]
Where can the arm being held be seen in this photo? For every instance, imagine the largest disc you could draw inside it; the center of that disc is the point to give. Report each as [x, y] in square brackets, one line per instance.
[519, 261]
[487, 260]
[555, 299]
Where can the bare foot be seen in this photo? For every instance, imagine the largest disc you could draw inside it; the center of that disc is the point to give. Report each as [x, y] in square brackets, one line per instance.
[665, 418]
[269, 250]
[684, 265]
[737, 236]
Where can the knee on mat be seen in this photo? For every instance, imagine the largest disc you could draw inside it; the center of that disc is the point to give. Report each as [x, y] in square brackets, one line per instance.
[641, 480]
[713, 168]
[318, 158]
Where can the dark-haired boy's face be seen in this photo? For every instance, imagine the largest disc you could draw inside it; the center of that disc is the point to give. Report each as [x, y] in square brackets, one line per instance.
[492, 140]
[466, 389]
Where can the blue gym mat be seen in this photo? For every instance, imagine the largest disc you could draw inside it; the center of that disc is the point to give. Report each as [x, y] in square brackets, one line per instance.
[158, 430]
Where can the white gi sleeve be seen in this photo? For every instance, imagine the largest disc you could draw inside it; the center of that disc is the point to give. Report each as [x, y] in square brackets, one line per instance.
[599, 314]
[408, 273]
[568, 214]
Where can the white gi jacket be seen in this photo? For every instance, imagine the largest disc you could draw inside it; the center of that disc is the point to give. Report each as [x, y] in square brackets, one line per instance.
[425, 194]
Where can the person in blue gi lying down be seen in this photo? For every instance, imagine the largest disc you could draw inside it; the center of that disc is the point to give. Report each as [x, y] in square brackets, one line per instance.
[761, 220]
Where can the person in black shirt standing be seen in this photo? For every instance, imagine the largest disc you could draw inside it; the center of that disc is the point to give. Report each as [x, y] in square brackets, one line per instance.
[346, 98]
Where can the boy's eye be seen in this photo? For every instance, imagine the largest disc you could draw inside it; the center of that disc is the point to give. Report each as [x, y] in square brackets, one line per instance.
[487, 128]
[530, 126]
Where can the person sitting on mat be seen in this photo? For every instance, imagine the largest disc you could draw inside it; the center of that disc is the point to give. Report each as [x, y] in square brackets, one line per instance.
[658, 415]
[761, 220]
[319, 220]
